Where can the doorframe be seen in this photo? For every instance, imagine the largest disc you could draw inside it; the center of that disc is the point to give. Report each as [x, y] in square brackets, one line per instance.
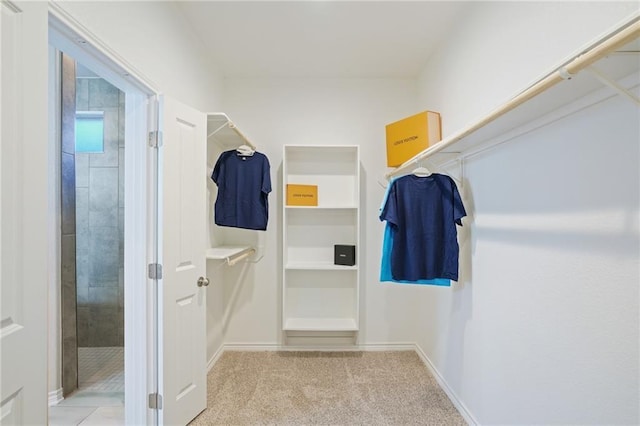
[69, 35]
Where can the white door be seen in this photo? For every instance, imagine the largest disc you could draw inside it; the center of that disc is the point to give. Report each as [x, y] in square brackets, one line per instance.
[23, 213]
[182, 316]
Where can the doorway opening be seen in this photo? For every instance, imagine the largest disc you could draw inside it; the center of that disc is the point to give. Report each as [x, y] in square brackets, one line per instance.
[92, 153]
[99, 191]
[102, 350]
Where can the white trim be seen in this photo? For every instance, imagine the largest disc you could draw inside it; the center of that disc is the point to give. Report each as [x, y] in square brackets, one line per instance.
[272, 347]
[214, 359]
[54, 222]
[73, 31]
[55, 397]
[455, 400]
[136, 304]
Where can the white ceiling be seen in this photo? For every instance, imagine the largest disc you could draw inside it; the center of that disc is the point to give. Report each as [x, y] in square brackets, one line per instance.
[321, 38]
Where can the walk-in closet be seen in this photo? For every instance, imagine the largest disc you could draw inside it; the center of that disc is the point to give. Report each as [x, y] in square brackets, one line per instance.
[324, 212]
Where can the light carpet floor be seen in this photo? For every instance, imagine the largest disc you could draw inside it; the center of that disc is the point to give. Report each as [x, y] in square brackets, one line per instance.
[328, 388]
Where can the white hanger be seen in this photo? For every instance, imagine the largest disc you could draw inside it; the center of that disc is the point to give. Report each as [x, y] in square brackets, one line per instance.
[245, 150]
[421, 172]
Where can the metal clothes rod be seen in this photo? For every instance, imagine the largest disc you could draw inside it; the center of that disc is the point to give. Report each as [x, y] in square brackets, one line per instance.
[239, 133]
[236, 259]
[582, 61]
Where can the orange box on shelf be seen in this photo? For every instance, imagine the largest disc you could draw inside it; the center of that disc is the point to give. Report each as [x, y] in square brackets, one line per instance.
[302, 195]
[409, 136]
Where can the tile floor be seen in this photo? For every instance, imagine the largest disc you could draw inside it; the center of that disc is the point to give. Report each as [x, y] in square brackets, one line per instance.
[99, 399]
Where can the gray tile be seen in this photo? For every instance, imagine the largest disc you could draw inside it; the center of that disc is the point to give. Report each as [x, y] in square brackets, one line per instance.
[69, 365]
[121, 120]
[68, 277]
[103, 197]
[82, 208]
[121, 288]
[104, 296]
[108, 158]
[68, 144]
[82, 258]
[83, 325]
[68, 194]
[104, 256]
[68, 416]
[102, 94]
[103, 326]
[105, 416]
[82, 170]
[103, 218]
[121, 235]
[82, 94]
[82, 295]
[121, 177]
[88, 398]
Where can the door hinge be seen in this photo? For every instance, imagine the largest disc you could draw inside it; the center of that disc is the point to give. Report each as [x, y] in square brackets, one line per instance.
[155, 271]
[155, 139]
[155, 401]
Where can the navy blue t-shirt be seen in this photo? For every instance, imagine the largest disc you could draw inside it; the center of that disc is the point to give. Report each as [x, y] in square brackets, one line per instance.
[243, 185]
[424, 211]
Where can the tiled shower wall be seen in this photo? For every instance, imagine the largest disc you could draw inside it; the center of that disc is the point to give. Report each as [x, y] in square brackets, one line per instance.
[100, 221]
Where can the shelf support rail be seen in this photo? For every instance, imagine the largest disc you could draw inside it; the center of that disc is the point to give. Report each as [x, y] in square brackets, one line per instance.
[233, 127]
[615, 86]
[586, 59]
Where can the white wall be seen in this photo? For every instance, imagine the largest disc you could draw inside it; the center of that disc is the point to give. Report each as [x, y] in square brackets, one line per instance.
[157, 40]
[500, 48]
[543, 327]
[275, 112]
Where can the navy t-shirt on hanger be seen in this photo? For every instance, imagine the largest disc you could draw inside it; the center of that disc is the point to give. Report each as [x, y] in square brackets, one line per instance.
[424, 211]
[244, 183]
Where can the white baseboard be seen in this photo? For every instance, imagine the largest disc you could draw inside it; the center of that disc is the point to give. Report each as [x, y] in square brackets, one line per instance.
[216, 356]
[55, 397]
[464, 412]
[320, 348]
[273, 347]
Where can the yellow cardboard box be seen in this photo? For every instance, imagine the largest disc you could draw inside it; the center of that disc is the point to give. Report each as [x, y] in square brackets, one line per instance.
[302, 195]
[409, 136]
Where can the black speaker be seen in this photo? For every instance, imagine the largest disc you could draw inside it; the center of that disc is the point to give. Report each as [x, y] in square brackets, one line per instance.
[344, 255]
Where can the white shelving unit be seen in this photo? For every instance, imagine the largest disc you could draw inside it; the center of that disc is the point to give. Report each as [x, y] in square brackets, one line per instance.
[228, 245]
[317, 294]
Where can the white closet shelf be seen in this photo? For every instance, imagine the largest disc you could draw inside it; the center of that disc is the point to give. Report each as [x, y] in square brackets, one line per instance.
[225, 133]
[322, 266]
[230, 254]
[320, 324]
[543, 97]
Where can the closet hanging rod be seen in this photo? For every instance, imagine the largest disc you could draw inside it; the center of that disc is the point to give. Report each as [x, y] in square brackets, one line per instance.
[233, 261]
[602, 49]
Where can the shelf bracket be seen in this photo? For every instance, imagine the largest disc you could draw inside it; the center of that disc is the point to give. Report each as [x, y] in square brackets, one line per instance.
[612, 84]
[217, 130]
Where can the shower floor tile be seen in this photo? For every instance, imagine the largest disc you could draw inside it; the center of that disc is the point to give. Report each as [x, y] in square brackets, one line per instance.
[101, 369]
[99, 399]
